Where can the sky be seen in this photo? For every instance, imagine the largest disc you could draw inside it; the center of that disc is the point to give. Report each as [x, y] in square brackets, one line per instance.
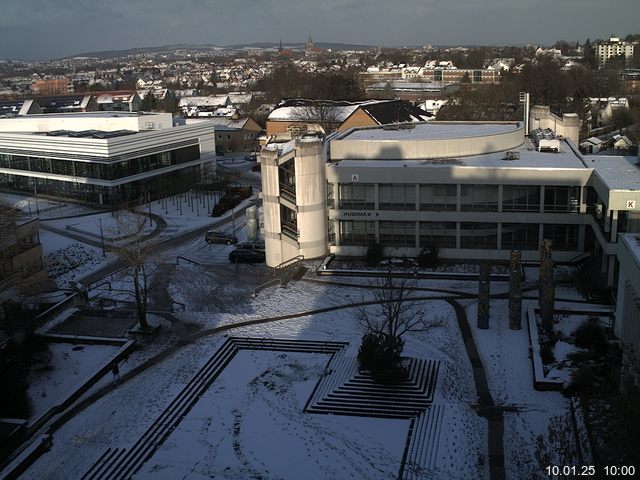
[45, 29]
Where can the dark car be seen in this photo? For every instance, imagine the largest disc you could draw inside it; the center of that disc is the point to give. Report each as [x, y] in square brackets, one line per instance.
[250, 245]
[252, 157]
[218, 236]
[247, 256]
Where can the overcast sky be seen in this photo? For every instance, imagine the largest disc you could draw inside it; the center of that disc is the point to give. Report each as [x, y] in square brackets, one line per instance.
[56, 28]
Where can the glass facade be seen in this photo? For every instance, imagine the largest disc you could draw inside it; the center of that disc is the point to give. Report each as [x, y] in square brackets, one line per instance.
[520, 236]
[101, 171]
[441, 234]
[561, 199]
[478, 235]
[357, 233]
[397, 196]
[357, 195]
[157, 187]
[482, 198]
[398, 234]
[563, 237]
[438, 197]
[520, 198]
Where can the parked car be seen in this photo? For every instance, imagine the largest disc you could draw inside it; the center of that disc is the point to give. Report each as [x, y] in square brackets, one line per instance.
[218, 236]
[246, 256]
[251, 157]
[250, 246]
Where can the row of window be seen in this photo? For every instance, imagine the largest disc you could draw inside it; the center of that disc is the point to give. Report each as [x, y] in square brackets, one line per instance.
[101, 171]
[476, 235]
[515, 198]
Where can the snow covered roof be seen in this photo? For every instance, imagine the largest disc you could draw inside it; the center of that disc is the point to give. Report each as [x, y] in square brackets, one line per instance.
[336, 113]
[210, 101]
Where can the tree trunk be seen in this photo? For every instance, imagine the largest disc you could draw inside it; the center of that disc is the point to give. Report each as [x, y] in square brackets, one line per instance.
[515, 290]
[483, 296]
[547, 288]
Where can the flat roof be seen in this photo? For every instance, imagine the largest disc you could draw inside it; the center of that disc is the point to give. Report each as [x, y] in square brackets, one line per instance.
[529, 158]
[618, 172]
[431, 131]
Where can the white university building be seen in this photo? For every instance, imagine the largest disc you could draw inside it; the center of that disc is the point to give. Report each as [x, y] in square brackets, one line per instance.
[476, 190]
[103, 157]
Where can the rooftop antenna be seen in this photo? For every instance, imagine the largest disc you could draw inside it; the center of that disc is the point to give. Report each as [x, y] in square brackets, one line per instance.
[524, 99]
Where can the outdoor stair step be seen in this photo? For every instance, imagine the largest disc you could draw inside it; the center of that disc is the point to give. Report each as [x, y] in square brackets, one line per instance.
[371, 402]
[368, 394]
[367, 412]
[128, 464]
[422, 446]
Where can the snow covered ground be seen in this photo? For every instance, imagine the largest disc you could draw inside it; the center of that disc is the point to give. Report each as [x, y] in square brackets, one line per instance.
[505, 355]
[69, 366]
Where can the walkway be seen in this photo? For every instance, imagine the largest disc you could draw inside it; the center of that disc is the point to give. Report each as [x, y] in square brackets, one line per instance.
[486, 406]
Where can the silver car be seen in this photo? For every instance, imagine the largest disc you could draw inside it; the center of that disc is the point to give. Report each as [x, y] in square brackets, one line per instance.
[218, 236]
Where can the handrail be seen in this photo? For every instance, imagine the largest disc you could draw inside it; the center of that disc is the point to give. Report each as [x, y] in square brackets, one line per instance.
[287, 263]
[271, 282]
[178, 258]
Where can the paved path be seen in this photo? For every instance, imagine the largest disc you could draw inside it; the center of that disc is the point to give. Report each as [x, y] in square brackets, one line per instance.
[486, 406]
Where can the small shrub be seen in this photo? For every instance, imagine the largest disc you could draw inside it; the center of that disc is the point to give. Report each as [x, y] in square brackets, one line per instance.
[380, 353]
[583, 380]
[591, 335]
[375, 252]
[428, 257]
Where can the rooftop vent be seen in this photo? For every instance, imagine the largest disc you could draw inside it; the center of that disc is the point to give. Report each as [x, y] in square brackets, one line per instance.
[512, 155]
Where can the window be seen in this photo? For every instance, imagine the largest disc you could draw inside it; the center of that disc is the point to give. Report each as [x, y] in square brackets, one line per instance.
[478, 235]
[562, 199]
[357, 195]
[438, 197]
[563, 237]
[441, 234]
[520, 198]
[330, 195]
[219, 136]
[437, 76]
[398, 234]
[397, 196]
[357, 233]
[479, 198]
[520, 236]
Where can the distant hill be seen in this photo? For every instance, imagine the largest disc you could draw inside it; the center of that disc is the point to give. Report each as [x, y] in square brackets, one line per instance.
[106, 54]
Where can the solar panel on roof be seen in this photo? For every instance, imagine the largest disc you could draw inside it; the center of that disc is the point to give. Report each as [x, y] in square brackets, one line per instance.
[83, 133]
[115, 133]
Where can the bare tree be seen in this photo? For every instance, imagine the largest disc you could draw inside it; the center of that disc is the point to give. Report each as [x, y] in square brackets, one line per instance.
[136, 249]
[325, 113]
[396, 313]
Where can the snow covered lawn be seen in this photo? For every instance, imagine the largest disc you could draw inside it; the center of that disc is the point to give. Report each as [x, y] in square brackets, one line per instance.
[69, 367]
[251, 424]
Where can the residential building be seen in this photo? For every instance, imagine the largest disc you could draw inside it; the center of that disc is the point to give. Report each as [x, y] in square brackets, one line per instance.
[614, 48]
[461, 75]
[20, 249]
[68, 103]
[118, 101]
[14, 108]
[292, 118]
[52, 86]
[240, 136]
[103, 157]
[410, 91]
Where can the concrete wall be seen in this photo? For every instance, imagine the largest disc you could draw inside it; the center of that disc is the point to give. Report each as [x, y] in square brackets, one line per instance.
[568, 125]
[107, 121]
[311, 200]
[421, 149]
